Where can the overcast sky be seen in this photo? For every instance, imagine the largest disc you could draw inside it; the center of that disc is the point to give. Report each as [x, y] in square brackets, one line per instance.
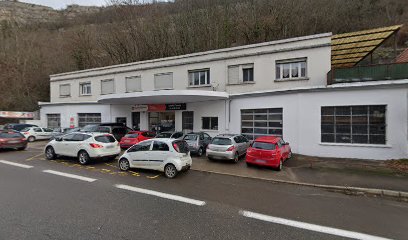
[58, 4]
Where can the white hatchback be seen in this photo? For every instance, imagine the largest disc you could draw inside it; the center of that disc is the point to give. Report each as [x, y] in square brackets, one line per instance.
[36, 133]
[85, 146]
[166, 155]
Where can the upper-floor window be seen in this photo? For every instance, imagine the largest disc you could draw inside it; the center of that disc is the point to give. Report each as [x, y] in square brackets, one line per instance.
[199, 77]
[291, 69]
[163, 81]
[238, 74]
[85, 88]
[65, 90]
[134, 84]
[107, 86]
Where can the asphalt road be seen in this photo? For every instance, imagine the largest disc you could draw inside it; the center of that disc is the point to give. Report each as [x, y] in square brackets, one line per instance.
[38, 204]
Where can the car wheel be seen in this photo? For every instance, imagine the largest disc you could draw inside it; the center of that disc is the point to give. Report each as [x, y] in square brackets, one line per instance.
[124, 164]
[280, 167]
[170, 171]
[290, 155]
[50, 153]
[200, 152]
[236, 157]
[83, 158]
[31, 139]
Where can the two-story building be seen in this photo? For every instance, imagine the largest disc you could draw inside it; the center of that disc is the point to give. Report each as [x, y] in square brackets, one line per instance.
[280, 88]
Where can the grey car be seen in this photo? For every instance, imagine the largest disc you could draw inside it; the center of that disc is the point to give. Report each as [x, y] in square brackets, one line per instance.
[197, 142]
[228, 147]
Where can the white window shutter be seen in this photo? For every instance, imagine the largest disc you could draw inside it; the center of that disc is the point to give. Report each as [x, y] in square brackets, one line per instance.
[65, 90]
[107, 86]
[163, 81]
[134, 84]
[233, 74]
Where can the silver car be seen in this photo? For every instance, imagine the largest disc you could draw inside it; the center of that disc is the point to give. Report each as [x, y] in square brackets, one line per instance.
[228, 147]
[197, 142]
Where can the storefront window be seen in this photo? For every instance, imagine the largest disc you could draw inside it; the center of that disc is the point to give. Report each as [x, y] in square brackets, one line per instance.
[210, 123]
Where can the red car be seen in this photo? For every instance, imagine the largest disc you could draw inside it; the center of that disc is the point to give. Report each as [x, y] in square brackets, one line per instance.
[268, 151]
[131, 138]
[10, 139]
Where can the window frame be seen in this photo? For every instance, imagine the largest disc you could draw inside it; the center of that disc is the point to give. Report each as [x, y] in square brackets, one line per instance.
[55, 117]
[65, 85]
[291, 62]
[209, 123]
[161, 74]
[191, 75]
[105, 81]
[241, 77]
[139, 77]
[88, 116]
[81, 88]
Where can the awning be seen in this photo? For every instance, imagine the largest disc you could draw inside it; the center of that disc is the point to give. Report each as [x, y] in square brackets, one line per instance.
[163, 96]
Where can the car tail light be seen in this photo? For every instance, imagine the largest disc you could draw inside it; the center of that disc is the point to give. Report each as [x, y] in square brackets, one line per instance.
[231, 149]
[95, 145]
[25, 133]
[176, 147]
[2, 140]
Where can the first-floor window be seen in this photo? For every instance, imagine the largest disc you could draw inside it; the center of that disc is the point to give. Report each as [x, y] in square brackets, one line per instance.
[291, 69]
[210, 123]
[107, 86]
[261, 122]
[53, 120]
[199, 77]
[88, 118]
[354, 124]
[85, 88]
[238, 74]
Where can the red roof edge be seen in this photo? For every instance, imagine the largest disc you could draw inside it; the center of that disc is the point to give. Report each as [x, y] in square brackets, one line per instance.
[403, 57]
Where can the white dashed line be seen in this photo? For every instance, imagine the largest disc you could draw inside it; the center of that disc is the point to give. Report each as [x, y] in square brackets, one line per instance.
[311, 227]
[16, 164]
[162, 195]
[86, 179]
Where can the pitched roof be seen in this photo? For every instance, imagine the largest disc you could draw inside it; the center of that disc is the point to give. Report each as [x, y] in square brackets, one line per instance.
[403, 57]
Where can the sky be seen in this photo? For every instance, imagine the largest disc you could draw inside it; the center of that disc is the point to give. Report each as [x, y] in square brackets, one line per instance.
[58, 4]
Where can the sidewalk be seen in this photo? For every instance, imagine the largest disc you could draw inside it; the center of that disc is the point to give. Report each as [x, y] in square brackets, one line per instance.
[324, 171]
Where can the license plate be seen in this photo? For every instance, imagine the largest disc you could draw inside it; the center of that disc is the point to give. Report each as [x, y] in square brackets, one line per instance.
[260, 161]
[127, 141]
[13, 141]
[111, 146]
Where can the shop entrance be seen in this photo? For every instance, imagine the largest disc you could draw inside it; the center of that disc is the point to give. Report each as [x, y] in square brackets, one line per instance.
[162, 121]
[136, 120]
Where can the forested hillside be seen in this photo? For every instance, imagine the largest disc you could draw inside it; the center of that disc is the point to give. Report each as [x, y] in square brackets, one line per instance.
[127, 31]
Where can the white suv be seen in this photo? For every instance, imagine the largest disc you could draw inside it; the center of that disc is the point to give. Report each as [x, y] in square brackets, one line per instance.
[166, 155]
[85, 146]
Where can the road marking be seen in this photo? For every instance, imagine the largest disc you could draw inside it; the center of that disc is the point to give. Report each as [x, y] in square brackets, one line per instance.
[154, 176]
[162, 195]
[86, 179]
[311, 227]
[32, 158]
[16, 164]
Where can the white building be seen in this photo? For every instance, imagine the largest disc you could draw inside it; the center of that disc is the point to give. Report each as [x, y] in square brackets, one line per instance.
[278, 87]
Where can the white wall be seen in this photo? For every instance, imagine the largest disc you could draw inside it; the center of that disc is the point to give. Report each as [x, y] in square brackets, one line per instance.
[301, 120]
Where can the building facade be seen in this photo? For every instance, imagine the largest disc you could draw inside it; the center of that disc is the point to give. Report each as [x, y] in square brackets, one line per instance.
[273, 88]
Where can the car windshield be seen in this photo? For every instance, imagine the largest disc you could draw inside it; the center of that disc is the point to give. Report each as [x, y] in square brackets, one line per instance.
[263, 145]
[163, 135]
[105, 139]
[221, 141]
[132, 135]
[190, 137]
[11, 135]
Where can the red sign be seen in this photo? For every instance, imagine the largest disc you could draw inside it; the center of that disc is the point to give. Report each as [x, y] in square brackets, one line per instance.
[156, 107]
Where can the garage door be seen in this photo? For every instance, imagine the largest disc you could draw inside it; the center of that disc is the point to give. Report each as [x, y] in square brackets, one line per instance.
[261, 122]
[88, 118]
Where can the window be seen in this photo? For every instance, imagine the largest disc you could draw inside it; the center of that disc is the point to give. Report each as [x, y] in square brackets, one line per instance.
[354, 124]
[53, 120]
[199, 77]
[188, 120]
[68, 137]
[88, 118]
[210, 123]
[264, 146]
[291, 69]
[163, 81]
[107, 86]
[65, 90]
[144, 146]
[105, 139]
[85, 89]
[261, 122]
[80, 137]
[134, 84]
[37, 130]
[160, 146]
[240, 74]
[48, 130]
[177, 135]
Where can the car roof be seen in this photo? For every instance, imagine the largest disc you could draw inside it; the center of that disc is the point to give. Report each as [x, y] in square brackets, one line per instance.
[228, 135]
[268, 139]
[166, 140]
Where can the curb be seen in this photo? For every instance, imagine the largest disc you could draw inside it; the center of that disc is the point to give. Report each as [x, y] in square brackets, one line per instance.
[401, 196]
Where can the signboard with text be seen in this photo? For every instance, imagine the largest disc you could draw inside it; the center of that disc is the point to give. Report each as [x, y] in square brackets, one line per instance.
[159, 107]
[6, 114]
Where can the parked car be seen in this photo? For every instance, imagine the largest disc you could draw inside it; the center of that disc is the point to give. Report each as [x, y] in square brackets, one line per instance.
[18, 126]
[84, 146]
[57, 132]
[268, 151]
[227, 146]
[11, 139]
[131, 138]
[166, 155]
[197, 142]
[36, 133]
[118, 130]
[173, 135]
